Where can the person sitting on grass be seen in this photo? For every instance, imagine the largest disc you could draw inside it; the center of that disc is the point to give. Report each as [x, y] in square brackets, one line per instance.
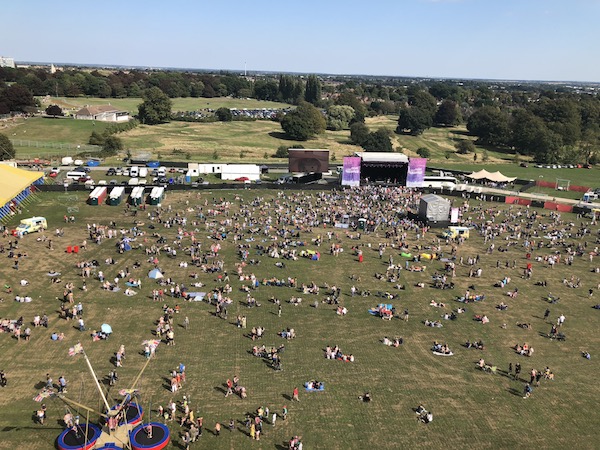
[366, 397]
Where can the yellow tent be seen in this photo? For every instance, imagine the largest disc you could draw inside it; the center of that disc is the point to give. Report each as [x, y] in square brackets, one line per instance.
[14, 185]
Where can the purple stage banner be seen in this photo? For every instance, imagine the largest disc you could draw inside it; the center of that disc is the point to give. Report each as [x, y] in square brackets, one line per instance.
[416, 172]
[351, 171]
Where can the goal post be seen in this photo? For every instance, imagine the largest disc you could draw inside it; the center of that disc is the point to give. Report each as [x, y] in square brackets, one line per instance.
[562, 184]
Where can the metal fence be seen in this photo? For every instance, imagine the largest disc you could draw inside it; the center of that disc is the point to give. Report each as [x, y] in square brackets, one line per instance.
[64, 148]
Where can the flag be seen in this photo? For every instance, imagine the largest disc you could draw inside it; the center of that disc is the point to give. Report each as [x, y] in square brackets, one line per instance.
[75, 350]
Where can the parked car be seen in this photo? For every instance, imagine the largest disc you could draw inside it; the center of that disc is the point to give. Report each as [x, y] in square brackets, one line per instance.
[83, 179]
[242, 179]
[78, 162]
[113, 182]
[111, 172]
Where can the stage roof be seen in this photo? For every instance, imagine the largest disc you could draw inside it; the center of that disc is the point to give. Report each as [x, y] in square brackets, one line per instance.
[382, 157]
[13, 181]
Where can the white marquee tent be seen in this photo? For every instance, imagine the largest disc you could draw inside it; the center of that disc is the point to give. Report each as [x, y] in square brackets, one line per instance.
[492, 176]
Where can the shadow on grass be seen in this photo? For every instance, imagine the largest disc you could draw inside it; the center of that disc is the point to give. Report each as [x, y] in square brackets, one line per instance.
[243, 430]
[287, 397]
[281, 135]
[514, 391]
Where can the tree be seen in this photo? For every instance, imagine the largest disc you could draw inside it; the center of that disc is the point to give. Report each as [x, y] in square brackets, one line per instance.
[286, 89]
[96, 139]
[464, 147]
[156, 107]
[303, 123]
[7, 151]
[17, 97]
[424, 152]
[525, 128]
[112, 145]
[283, 150]
[447, 114]
[54, 110]
[339, 117]
[490, 125]
[312, 94]
[266, 90]
[224, 114]
[358, 133]
[378, 141]
[413, 120]
[347, 98]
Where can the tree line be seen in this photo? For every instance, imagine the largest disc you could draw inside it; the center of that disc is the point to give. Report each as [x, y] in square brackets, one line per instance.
[551, 123]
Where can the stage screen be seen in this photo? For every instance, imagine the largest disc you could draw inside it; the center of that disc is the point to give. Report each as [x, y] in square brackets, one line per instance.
[301, 160]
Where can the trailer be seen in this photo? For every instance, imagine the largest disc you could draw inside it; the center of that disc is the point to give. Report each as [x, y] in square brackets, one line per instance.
[157, 195]
[97, 196]
[116, 195]
[137, 196]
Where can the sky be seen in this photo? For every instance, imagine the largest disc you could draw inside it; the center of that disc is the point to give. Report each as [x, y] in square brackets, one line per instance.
[554, 40]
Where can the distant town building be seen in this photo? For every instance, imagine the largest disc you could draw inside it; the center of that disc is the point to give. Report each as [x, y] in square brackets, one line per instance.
[104, 113]
[7, 62]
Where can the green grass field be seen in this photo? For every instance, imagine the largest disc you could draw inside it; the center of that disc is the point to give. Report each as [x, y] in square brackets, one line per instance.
[179, 104]
[471, 408]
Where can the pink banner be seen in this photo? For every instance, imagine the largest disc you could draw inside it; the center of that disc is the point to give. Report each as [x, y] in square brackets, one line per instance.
[351, 171]
[416, 172]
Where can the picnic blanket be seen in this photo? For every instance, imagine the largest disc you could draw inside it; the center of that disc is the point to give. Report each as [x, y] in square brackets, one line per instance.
[196, 296]
[321, 388]
[131, 284]
[381, 307]
[442, 354]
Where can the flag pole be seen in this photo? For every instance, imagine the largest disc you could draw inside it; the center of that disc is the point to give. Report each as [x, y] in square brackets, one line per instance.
[96, 380]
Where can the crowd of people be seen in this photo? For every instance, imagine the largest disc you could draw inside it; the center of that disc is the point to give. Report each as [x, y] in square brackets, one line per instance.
[277, 228]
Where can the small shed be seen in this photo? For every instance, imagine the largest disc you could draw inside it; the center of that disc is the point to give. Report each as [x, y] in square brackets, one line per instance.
[434, 208]
[116, 195]
[137, 195]
[97, 196]
[156, 195]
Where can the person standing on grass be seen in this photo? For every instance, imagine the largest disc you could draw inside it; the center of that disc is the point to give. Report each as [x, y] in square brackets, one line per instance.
[274, 419]
[217, 429]
[510, 369]
[199, 423]
[527, 391]
[279, 311]
[186, 322]
[187, 439]
[284, 412]
[517, 371]
[538, 377]
[295, 395]
[546, 314]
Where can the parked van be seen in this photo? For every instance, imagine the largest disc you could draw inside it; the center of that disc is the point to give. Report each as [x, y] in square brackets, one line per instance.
[76, 175]
[134, 171]
[133, 181]
[66, 161]
[162, 171]
[30, 225]
[143, 172]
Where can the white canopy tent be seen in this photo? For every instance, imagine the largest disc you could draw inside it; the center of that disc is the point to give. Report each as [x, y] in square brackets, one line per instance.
[492, 176]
